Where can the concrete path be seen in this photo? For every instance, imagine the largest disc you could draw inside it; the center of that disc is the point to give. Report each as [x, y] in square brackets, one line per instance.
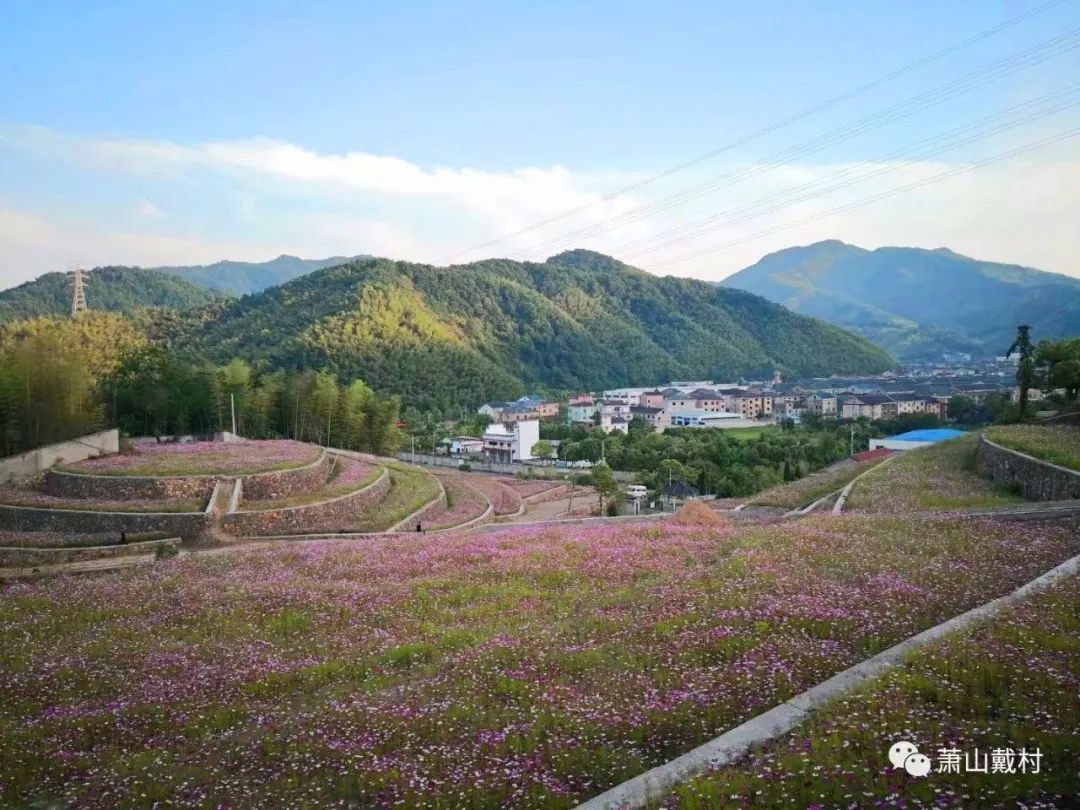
[732, 745]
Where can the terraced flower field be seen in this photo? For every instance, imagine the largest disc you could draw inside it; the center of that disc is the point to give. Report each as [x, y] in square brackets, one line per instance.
[1012, 684]
[1059, 444]
[346, 476]
[527, 667]
[464, 503]
[811, 487]
[935, 478]
[502, 496]
[201, 458]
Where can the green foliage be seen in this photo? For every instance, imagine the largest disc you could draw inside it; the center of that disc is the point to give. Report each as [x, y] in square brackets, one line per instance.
[113, 289]
[50, 370]
[443, 338]
[1057, 365]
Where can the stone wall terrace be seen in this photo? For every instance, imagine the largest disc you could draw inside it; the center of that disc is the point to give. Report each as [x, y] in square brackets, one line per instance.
[188, 525]
[1034, 478]
[328, 516]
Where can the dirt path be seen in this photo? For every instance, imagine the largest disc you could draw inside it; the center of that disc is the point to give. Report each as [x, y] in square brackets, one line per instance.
[553, 510]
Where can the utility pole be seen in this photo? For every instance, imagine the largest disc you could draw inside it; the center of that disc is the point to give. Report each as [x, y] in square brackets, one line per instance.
[329, 421]
[78, 297]
[413, 438]
[232, 407]
[852, 452]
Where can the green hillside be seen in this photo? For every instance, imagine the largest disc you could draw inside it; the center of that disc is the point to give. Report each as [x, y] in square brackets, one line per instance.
[916, 303]
[241, 278]
[448, 336]
[114, 289]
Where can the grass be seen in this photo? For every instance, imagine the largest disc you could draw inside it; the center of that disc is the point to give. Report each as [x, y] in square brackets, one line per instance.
[811, 487]
[525, 667]
[1058, 444]
[747, 434]
[1013, 683]
[939, 477]
[410, 488]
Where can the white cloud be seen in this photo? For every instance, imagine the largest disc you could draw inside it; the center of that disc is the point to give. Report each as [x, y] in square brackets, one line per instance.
[279, 197]
[30, 246]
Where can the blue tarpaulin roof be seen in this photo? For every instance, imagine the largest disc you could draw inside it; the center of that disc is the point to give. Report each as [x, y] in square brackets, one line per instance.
[929, 435]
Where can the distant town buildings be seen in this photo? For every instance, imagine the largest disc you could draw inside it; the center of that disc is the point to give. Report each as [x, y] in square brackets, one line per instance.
[706, 404]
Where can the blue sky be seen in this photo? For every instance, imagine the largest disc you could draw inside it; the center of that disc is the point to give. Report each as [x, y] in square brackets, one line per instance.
[174, 133]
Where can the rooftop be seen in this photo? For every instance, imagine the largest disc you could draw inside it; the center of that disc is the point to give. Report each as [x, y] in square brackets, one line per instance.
[929, 435]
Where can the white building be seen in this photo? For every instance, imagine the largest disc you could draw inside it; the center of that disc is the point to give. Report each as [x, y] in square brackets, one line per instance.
[511, 442]
[629, 395]
[688, 417]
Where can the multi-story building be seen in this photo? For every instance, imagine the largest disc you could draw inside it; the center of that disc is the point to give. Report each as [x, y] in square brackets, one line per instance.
[651, 399]
[821, 404]
[872, 406]
[656, 418]
[753, 404]
[581, 410]
[513, 441]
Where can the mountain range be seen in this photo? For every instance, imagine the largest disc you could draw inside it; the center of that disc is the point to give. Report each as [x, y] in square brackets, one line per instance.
[450, 336]
[917, 303]
[240, 278]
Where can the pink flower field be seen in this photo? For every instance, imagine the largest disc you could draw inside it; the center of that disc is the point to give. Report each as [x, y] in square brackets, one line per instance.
[505, 500]
[202, 458]
[523, 667]
[464, 503]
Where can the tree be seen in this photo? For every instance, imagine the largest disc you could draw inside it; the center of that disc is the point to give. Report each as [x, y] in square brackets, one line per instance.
[542, 450]
[1025, 369]
[605, 483]
[1066, 375]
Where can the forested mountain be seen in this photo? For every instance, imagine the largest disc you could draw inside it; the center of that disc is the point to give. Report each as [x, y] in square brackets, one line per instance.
[916, 303]
[114, 289]
[454, 336]
[240, 278]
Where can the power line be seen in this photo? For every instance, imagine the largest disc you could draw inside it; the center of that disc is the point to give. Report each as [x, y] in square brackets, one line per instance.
[1022, 60]
[785, 122]
[876, 197]
[1034, 110]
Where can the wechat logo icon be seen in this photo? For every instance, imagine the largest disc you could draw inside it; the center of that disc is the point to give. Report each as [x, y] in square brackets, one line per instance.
[905, 755]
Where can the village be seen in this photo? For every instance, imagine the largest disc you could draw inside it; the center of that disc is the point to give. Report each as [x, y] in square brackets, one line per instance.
[514, 428]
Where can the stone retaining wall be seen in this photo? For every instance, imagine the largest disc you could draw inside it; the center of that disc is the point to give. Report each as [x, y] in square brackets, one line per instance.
[327, 516]
[1034, 478]
[188, 525]
[261, 486]
[26, 557]
[79, 486]
[288, 483]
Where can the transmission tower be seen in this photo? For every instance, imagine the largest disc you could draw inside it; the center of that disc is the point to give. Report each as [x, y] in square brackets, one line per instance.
[78, 297]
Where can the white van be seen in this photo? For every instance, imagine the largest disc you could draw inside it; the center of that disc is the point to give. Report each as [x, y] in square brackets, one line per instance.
[635, 491]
